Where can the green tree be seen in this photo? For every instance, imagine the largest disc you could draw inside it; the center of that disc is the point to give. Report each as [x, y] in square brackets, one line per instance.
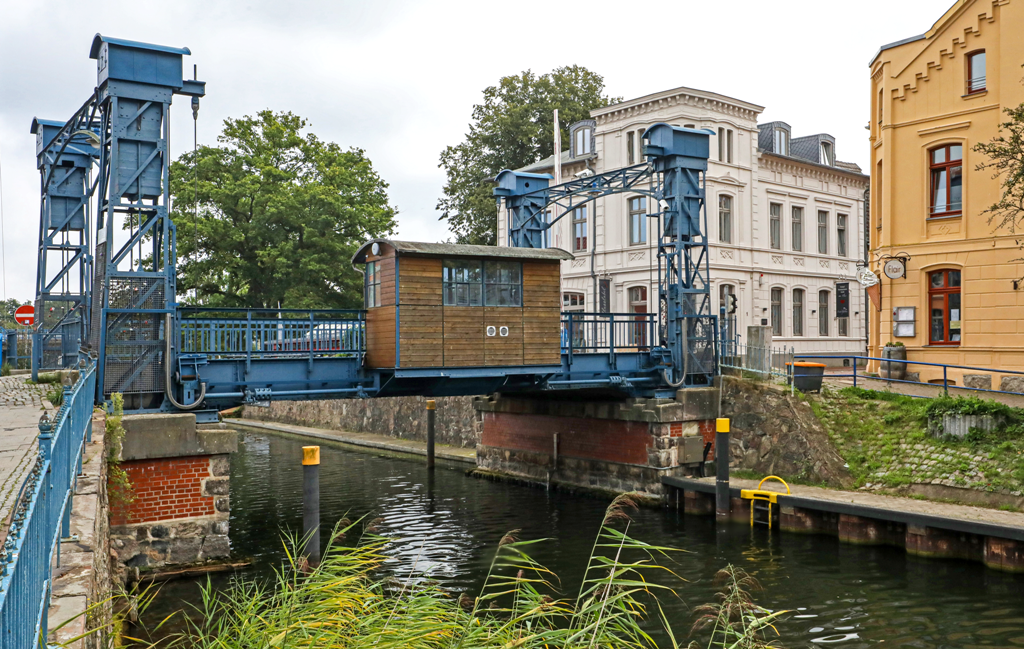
[273, 216]
[511, 128]
[1005, 154]
[7, 309]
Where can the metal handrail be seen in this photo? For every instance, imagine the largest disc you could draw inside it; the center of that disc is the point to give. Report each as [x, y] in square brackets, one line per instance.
[42, 516]
[945, 371]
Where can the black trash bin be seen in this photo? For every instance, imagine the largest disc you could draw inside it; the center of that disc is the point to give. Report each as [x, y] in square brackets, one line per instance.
[807, 376]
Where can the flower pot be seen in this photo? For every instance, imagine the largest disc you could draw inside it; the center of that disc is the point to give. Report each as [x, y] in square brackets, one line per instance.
[892, 369]
[807, 376]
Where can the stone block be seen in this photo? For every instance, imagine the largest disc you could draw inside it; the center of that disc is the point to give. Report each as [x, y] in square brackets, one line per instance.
[190, 529]
[220, 527]
[215, 546]
[159, 532]
[979, 381]
[698, 404]
[216, 486]
[172, 435]
[222, 504]
[220, 465]
[185, 550]
[1012, 384]
[960, 425]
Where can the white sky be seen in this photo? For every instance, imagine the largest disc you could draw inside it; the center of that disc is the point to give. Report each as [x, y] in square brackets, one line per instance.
[398, 78]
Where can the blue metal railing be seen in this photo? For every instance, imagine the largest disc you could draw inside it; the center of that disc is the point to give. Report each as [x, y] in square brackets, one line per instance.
[889, 364]
[42, 516]
[263, 333]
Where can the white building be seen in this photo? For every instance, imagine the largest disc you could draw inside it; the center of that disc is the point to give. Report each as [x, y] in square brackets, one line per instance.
[786, 221]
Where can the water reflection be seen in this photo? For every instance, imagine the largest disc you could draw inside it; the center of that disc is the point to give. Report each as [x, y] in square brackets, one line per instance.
[448, 526]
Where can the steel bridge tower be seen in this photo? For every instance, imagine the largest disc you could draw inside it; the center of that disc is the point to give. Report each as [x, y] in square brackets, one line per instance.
[134, 281]
[65, 153]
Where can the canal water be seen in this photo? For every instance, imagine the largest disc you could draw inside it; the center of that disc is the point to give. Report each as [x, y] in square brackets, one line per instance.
[447, 527]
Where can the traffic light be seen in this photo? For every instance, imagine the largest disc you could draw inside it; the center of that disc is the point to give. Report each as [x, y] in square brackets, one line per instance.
[732, 303]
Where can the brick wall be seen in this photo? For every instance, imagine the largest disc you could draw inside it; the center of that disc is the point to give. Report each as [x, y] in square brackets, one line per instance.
[610, 440]
[167, 489]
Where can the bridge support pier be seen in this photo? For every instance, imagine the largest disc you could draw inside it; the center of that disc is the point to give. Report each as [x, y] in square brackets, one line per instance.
[612, 446]
[169, 498]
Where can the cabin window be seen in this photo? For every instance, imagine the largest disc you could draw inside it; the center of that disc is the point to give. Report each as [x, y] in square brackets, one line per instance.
[372, 297]
[504, 283]
[947, 180]
[463, 282]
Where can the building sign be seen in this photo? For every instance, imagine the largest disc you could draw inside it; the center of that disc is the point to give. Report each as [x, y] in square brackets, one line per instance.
[843, 300]
[604, 296]
[895, 268]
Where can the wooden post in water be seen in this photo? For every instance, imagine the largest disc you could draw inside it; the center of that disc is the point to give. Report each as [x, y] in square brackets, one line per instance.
[311, 504]
[722, 505]
[431, 415]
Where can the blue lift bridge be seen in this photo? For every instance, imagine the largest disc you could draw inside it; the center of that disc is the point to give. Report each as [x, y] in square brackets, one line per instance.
[106, 285]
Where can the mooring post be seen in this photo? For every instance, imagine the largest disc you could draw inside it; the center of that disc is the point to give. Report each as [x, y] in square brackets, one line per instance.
[722, 467]
[311, 504]
[431, 416]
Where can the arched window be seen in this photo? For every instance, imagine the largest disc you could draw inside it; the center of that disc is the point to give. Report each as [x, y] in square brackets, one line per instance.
[776, 311]
[947, 180]
[798, 312]
[725, 218]
[944, 307]
[975, 72]
[823, 318]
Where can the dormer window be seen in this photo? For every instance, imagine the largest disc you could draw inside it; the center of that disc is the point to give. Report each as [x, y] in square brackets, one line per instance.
[582, 137]
[828, 155]
[781, 142]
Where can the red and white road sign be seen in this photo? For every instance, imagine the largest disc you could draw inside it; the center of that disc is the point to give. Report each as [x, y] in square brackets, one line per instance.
[25, 315]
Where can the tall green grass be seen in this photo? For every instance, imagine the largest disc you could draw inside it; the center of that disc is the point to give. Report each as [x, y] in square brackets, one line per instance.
[344, 602]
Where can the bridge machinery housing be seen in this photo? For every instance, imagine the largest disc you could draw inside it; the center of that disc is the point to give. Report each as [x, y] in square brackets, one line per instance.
[439, 319]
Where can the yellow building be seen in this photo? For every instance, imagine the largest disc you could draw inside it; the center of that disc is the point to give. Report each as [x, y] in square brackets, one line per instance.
[933, 98]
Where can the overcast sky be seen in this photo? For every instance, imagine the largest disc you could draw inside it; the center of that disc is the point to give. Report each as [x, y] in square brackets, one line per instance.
[398, 78]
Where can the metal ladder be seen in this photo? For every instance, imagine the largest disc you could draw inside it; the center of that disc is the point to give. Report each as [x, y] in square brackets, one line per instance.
[762, 502]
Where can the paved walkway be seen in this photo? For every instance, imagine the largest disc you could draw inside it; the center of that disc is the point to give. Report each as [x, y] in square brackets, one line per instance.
[366, 440]
[21, 405]
[965, 513]
[917, 389]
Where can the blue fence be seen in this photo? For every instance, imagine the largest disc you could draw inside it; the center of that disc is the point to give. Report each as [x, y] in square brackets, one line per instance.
[894, 371]
[42, 516]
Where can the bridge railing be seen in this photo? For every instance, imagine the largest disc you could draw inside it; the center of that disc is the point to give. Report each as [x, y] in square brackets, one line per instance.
[265, 333]
[42, 515]
[601, 333]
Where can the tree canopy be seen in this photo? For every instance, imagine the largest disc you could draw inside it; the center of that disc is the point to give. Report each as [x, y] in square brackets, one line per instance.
[1005, 154]
[280, 214]
[511, 128]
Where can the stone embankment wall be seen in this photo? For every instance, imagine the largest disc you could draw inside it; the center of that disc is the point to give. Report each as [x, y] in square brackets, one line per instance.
[457, 423]
[176, 509]
[774, 433]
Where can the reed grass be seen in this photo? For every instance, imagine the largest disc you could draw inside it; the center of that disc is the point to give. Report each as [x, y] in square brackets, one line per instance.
[344, 602]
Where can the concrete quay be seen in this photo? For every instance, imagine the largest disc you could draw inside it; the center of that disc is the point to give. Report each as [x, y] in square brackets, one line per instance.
[923, 528]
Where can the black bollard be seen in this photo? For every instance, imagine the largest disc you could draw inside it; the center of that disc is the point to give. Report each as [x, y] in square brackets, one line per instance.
[722, 505]
[430, 433]
[311, 504]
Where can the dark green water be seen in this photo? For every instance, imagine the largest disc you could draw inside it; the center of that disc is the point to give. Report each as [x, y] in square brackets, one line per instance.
[842, 595]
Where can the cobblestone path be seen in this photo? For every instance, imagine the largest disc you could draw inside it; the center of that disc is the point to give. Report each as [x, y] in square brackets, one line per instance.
[21, 405]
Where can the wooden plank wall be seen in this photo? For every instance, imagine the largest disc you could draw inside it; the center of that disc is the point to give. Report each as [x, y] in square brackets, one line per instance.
[463, 336]
[380, 321]
[419, 312]
[503, 350]
[542, 305]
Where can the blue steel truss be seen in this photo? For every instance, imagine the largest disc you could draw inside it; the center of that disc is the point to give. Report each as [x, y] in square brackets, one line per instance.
[677, 160]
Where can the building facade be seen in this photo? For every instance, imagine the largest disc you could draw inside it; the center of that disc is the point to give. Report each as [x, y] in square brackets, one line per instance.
[784, 217]
[934, 98]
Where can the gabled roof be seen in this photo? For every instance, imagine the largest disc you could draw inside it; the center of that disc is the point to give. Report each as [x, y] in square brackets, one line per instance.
[461, 250]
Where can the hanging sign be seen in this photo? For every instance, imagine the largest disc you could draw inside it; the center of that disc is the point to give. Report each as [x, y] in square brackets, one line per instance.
[604, 298]
[895, 268]
[25, 315]
[866, 278]
[843, 300]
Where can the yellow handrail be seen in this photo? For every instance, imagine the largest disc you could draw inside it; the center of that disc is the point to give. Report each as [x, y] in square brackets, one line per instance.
[774, 477]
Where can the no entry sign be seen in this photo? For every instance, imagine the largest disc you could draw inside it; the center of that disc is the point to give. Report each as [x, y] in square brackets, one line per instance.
[25, 315]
